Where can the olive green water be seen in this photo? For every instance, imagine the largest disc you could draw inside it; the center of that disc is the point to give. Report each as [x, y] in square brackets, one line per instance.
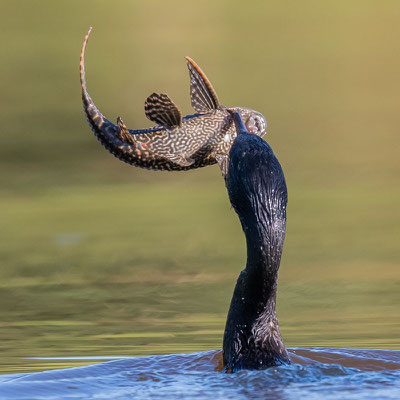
[98, 258]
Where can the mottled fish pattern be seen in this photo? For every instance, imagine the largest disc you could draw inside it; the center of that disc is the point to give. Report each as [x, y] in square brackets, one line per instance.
[177, 143]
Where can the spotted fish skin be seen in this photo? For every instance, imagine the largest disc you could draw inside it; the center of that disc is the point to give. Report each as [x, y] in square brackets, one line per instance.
[179, 144]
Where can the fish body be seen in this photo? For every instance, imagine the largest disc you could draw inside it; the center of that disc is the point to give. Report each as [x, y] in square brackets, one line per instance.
[176, 143]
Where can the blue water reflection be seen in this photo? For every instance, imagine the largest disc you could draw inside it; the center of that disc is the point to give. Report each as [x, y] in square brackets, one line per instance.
[314, 374]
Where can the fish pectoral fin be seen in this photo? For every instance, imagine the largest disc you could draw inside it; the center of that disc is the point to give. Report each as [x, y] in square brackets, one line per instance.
[222, 161]
[180, 159]
[124, 133]
[202, 94]
[160, 109]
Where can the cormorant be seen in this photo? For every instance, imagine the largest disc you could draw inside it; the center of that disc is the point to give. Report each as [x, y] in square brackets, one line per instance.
[257, 191]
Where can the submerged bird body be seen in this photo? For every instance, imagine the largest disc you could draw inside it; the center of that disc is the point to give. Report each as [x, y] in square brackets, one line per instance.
[257, 191]
[176, 143]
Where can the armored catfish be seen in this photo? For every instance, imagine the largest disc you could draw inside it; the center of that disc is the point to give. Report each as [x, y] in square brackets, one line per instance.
[176, 143]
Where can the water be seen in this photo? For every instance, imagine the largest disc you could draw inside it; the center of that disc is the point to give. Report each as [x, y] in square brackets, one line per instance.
[99, 259]
[315, 373]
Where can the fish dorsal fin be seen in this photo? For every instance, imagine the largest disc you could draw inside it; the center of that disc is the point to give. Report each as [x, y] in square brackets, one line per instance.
[160, 109]
[202, 94]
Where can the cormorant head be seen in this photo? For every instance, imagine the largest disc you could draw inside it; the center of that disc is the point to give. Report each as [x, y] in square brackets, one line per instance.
[255, 181]
[254, 121]
[240, 126]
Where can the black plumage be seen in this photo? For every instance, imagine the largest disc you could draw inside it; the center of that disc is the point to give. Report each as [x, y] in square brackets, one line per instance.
[257, 191]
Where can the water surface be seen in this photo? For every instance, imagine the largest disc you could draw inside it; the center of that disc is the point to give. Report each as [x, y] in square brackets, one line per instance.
[315, 373]
[99, 259]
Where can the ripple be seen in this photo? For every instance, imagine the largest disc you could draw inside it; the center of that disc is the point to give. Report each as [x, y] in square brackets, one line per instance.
[315, 373]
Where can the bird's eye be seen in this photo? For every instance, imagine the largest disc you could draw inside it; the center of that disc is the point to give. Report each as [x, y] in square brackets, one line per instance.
[256, 125]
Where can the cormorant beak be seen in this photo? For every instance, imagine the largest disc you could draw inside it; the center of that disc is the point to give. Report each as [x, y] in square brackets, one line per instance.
[240, 127]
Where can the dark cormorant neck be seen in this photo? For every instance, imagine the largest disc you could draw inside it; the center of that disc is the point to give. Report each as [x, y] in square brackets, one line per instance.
[257, 191]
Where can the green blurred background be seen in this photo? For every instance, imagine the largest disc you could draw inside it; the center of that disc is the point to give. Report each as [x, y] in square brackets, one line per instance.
[99, 258]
